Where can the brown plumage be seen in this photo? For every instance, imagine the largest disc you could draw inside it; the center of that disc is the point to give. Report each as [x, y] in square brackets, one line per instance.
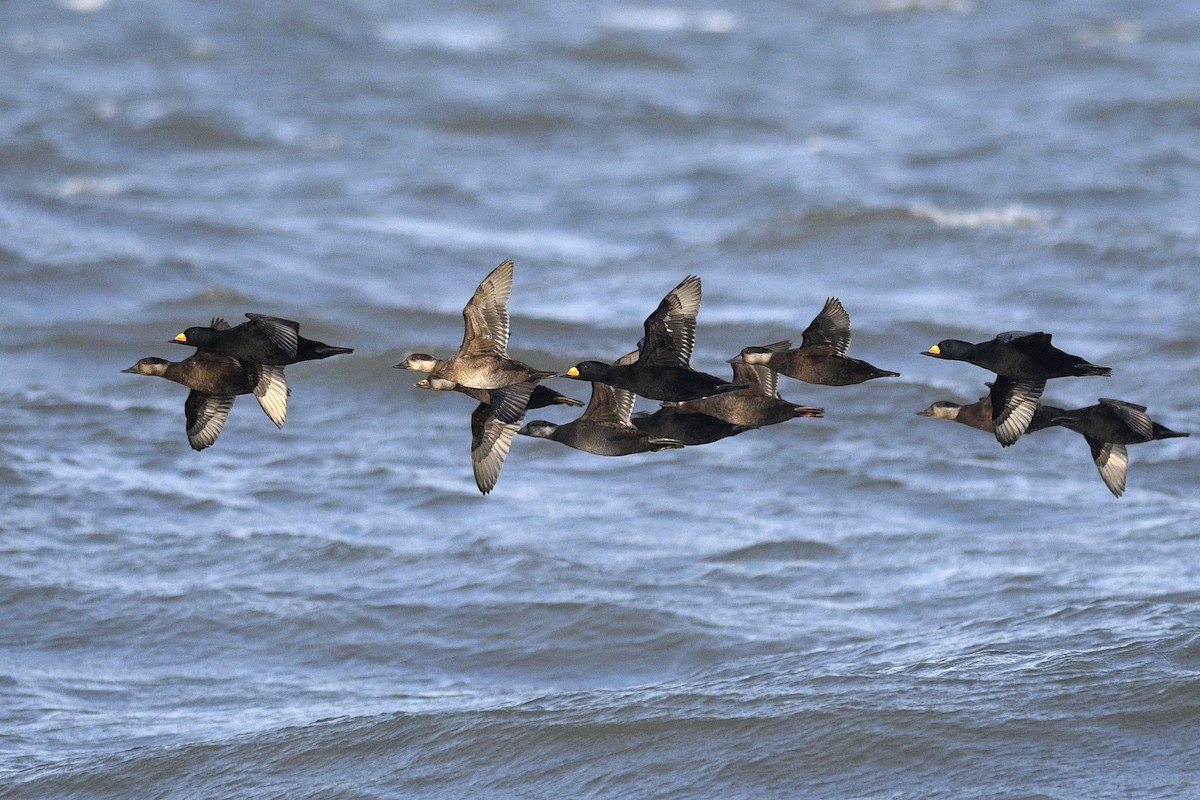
[215, 380]
[482, 360]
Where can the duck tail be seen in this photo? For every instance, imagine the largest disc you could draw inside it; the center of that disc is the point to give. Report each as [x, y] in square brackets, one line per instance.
[1086, 369]
[327, 350]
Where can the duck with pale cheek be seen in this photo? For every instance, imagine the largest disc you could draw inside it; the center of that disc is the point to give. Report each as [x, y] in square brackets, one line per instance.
[481, 361]
[215, 380]
[821, 358]
[757, 404]
[1023, 362]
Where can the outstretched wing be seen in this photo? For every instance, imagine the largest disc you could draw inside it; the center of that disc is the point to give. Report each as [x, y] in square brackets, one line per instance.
[670, 332]
[1112, 459]
[485, 315]
[1013, 405]
[205, 415]
[271, 389]
[830, 328]
[509, 402]
[490, 443]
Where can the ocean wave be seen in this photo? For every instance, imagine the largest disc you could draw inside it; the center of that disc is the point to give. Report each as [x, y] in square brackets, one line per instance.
[455, 37]
[864, 7]
[795, 229]
[671, 19]
[1010, 216]
[794, 550]
[550, 243]
[833, 733]
[202, 130]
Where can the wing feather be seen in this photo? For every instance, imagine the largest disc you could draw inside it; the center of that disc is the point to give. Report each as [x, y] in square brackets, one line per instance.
[205, 415]
[485, 316]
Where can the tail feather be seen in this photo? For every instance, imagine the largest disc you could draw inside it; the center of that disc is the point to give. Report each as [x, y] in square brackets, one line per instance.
[330, 350]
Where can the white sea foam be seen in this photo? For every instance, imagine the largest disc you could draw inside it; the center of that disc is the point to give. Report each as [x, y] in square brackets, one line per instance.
[670, 19]
[87, 185]
[449, 36]
[84, 6]
[901, 6]
[1010, 216]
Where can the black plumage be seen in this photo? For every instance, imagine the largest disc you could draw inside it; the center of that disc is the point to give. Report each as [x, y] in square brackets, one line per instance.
[1023, 362]
[605, 427]
[661, 370]
[264, 340]
[688, 429]
[821, 358]
[1109, 426]
[756, 404]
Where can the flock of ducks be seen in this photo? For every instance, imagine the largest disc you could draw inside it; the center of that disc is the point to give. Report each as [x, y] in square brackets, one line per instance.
[697, 408]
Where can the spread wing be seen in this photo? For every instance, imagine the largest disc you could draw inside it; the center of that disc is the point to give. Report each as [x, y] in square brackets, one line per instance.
[205, 415]
[219, 324]
[670, 332]
[609, 405]
[830, 328]
[485, 315]
[509, 402]
[1112, 460]
[1013, 405]
[681, 317]
[271, 389]
[283, 333]
[490, 443]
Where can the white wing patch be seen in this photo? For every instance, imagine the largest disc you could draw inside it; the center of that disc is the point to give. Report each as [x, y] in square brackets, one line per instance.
[1018, 401]
[205, 415]
[1112, 459]
[272, 393]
